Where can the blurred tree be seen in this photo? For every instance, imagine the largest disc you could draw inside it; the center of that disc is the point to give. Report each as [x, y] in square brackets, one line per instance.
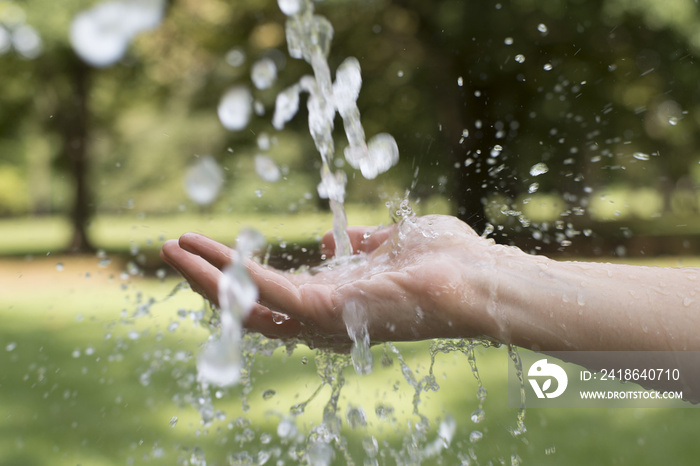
[567, 84]
[476, 94]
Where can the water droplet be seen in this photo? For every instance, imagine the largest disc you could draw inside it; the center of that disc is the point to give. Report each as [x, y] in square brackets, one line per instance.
[264, 142]
[304, 360]
[220, 363]
[173, 421]
[383, 411]
[104, 262]
[235, 57]
[235, 108]
[355, 318]
[279, 318]
[264, 73]
[539, 169]
[673, 121]
[508, 41]
[347, 85]
[533, 188]
[59, 266]
[290, 7]
[11, 346]
[460, 81]
[267, 169]
[237, 291]
[475, 436]
[382, 154]
[520, 58]
[542, 28]
[249, 241]
[481, 394]
[547, 67]
[101, 35]
[371, 446]
[76, 353]
[286, 428]
[27, 42]
[286, 106]
[478, 415]
[356, 417]
[267, 394]
[641, 156]
[203, 180]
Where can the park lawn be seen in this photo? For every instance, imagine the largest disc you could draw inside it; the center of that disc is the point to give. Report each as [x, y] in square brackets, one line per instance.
[141, 232]
[98, 367]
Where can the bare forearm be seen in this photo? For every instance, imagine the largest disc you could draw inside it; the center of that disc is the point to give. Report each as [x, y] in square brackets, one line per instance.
[550, 305]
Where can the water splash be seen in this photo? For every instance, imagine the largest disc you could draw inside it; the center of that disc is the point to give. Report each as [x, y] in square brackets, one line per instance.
[355, 318]
[309, 37]
[267, 169]
[220, 362]
[235, 108]
[519, 428]
[204, 180]
[101, 35]
[264, 73]
[539, 169]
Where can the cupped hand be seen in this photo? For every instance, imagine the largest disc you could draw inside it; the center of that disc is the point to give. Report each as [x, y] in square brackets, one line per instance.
[422, 278]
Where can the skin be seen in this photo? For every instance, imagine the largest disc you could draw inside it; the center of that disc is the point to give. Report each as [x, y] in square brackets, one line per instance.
[433, 276]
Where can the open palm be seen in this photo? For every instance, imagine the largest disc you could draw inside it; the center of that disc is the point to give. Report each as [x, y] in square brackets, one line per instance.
[409, 278]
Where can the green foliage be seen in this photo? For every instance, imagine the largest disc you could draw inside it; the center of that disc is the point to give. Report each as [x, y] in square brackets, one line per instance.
[13, 191]
[602, 81]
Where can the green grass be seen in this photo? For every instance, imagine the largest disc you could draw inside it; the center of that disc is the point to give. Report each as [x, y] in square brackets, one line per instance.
[119, 233]
[73, 389]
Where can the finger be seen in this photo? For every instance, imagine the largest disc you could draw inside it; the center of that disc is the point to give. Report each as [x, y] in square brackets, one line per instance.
[217, 254]
[202, 276]
[362, 239]
[260, 320]
[276, 290]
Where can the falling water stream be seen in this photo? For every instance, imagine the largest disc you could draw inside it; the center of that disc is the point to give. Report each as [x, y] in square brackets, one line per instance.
[228, 357]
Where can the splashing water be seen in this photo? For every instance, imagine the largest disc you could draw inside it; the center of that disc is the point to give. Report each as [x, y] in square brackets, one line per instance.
[520, 428]
[355, 318]
[264, 73]
[267, 169]
[204, 180]
[227, 358]
[235, 108]
[101, 35]
[220, 363]
[539, 169]
[309, 38]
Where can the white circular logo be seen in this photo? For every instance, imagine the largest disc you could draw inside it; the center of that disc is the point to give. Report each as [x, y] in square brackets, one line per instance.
[547, 371]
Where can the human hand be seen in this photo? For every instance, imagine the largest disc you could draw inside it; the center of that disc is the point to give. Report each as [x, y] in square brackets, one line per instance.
[422, 278]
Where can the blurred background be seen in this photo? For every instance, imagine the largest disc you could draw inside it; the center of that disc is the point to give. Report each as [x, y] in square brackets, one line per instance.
[566, 127]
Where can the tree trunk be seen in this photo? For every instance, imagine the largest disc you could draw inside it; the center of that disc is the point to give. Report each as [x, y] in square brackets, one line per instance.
[75, 151]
